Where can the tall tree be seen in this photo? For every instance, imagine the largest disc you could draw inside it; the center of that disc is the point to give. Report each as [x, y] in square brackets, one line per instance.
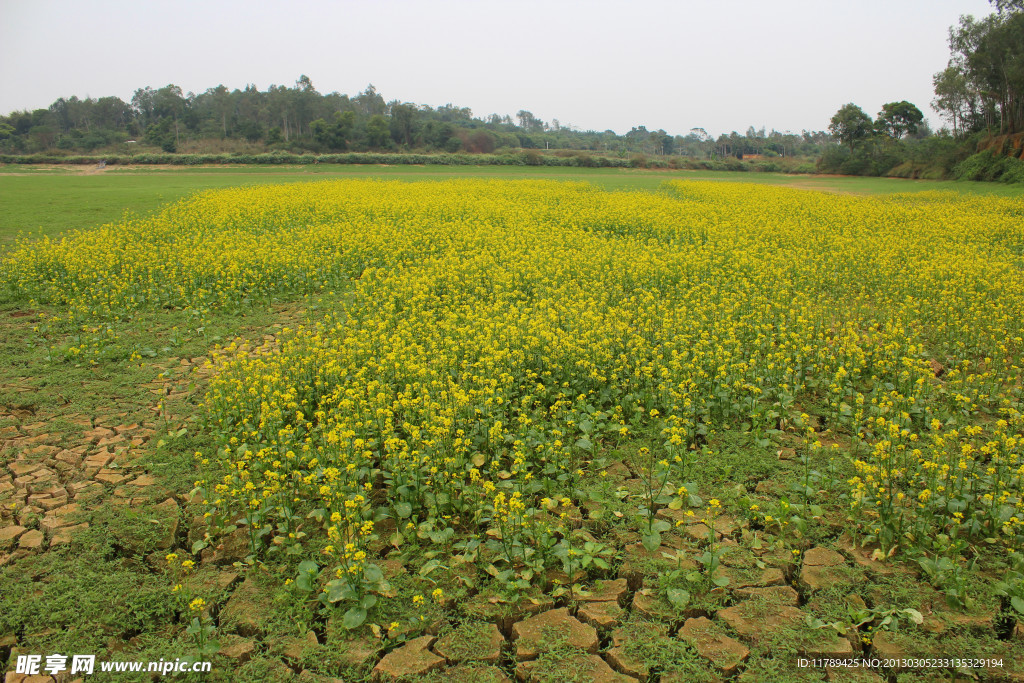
[170, 103]
[403, 120]
[990, 54]
[142, 103]
[111, 113]
[222, 106]
[528, 122]
[955, 100]
[850, 125]
[1008, 5]
[279, 108]
[377, 131]
[898, 118]
[369, 102]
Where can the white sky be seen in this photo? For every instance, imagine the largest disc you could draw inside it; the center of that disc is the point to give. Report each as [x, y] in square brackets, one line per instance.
[596, 64]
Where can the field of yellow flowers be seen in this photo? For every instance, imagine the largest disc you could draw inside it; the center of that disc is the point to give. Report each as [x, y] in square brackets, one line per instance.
[513, 381]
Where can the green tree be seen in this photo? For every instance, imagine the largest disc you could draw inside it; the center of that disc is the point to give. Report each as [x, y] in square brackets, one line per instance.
[1008, 5]
[529, 122]
[850, 125]
[403, 121]
[377, 131]
[142, 103]
[369, 102]
[169, 103]
[335, 135]
[111, 113]
[898, 118]
[250, 130]
[222, 106]
[160, 135]
[436, 134]
[279, 108]
[990, 55]
[954, 99]
[662, 142]
[303, 100]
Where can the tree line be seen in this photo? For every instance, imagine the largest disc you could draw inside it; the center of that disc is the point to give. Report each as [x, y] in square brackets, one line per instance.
[299, 119]
[982, 88]
[980, 94]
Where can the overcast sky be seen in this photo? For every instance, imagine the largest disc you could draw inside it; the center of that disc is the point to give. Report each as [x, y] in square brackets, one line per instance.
[596, 64]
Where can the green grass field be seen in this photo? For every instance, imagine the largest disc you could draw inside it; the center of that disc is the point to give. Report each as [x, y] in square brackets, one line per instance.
[48, 200]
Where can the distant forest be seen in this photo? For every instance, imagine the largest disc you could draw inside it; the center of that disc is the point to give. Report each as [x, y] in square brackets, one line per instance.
[980, 94]
[300, 119]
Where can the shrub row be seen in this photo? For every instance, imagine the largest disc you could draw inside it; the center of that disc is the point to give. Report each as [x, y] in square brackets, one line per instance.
[526, 158]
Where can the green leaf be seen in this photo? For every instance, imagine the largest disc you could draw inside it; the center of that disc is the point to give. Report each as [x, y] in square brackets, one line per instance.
[442, 536]
[1018, 604]
[336, 590]
[354, 618]
[584, 443]
[678, 597]
[403, 509]
[914, 615]
[368, 601]
[373, 573]
[429, 567]
[720, 581]
[814, 622]
[651, 541]
[211, 648]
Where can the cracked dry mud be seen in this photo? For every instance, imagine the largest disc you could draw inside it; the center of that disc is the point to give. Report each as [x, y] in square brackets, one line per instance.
[52, 477]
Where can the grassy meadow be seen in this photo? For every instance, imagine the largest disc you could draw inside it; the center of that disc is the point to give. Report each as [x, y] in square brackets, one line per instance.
[358, 424]
[52, 200]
